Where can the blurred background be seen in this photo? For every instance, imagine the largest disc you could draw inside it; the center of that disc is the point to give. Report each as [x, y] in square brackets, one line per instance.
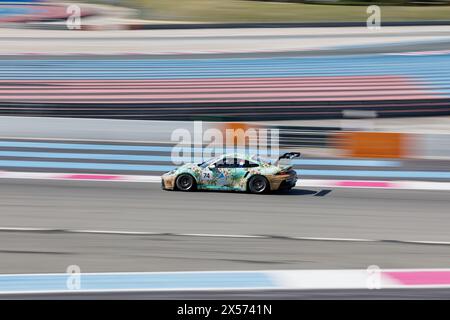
[93, 95]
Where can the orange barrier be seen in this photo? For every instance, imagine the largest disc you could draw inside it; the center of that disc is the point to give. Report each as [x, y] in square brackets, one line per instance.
[235, 133]
[373, 144]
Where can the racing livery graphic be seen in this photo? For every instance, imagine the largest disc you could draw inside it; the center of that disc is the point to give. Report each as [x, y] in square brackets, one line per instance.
[234, 172]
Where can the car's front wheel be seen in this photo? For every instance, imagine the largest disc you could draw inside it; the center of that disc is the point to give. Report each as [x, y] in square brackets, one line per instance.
[258, 184]
[185, 182]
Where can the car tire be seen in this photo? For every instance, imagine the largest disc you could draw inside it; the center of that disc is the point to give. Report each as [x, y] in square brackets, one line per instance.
[185, 182]
[258, 184]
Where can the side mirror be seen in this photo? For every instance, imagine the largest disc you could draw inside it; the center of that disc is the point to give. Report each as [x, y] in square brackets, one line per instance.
[212, 166]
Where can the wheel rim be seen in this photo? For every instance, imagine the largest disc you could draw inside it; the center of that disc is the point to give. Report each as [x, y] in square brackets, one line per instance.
[185, 182]
[259, 184]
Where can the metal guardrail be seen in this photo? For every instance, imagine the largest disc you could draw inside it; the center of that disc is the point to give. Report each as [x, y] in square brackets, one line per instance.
[220, 111]
[142, 131]
[302, 136]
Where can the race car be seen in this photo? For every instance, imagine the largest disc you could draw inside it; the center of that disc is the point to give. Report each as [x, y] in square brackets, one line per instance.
[234, 172]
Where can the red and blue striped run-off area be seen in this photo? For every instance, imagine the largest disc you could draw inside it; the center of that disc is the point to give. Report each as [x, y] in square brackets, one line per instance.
[226, 88]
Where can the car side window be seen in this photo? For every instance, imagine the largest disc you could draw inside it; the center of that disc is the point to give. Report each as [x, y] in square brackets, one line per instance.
[246, 164]
[234, 163]
[227, 163]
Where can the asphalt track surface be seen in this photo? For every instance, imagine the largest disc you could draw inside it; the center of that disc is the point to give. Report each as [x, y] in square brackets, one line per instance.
[157, 42]
[182, 222]
[441, 45]
[257, 294]
[349, 294]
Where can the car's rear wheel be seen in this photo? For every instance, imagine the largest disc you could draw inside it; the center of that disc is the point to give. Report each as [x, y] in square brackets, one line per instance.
[185, 182]
[258, 184]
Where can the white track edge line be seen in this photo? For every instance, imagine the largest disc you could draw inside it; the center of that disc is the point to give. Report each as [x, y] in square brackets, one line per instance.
[145, 233]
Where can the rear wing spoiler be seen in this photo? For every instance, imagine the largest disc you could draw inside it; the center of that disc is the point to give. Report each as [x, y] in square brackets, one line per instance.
[289, 155]
[284, 159]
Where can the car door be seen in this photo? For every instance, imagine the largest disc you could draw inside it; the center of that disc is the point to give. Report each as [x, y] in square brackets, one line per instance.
[216, 175]
[240, 172]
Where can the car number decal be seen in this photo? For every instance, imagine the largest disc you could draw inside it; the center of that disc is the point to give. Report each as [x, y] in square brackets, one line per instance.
[206, 175]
